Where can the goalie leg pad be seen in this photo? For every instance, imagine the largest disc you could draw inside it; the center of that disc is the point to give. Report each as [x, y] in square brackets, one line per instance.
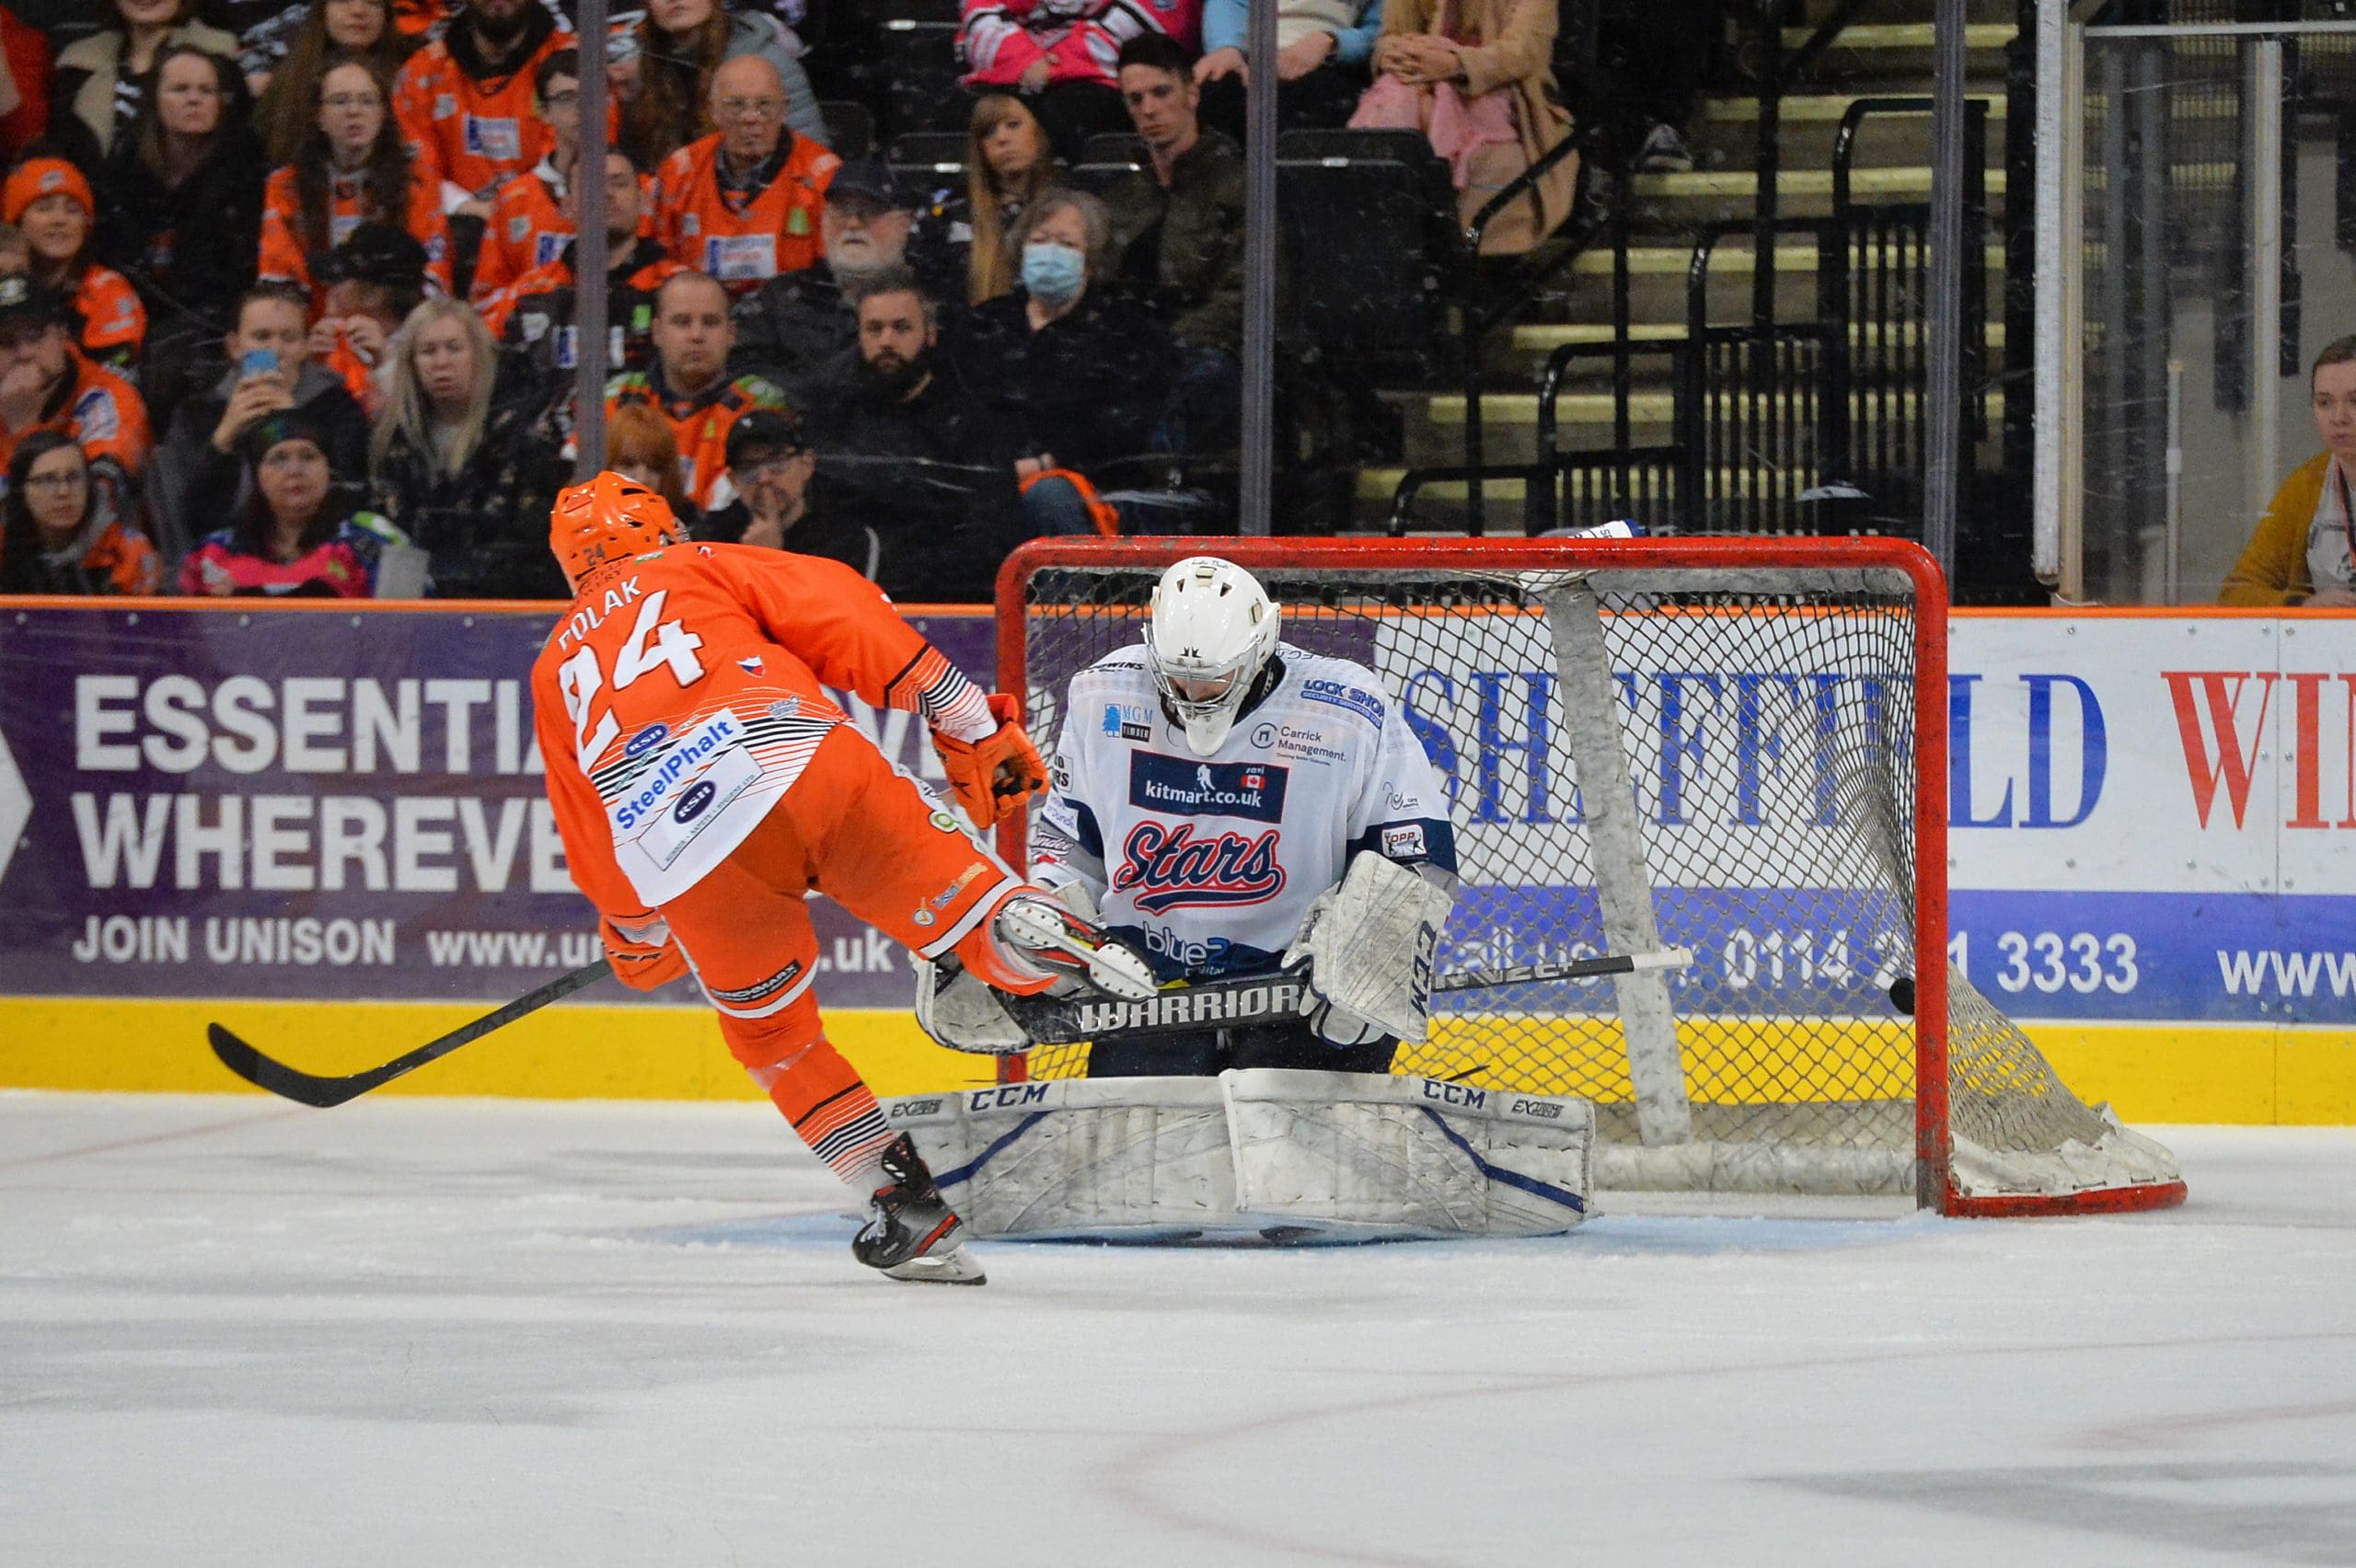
[1408, 1156]
[1370, 948]
[1256, 1155]
[1135, 1158]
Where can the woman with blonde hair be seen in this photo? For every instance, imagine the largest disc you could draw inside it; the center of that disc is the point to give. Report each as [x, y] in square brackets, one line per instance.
[1007, 163]
[464, 477]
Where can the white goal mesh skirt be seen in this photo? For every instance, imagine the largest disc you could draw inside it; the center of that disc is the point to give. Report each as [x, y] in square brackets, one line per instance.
[1735, 746]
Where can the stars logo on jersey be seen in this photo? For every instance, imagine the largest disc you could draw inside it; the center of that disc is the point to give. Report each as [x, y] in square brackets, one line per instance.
[1169, 868]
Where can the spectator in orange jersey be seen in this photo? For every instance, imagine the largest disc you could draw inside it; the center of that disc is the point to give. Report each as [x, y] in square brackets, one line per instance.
[52, 202]
[47, 383]
[61, 536]
[688, 383]
[373, 280]
[465, 102]
[331, 29]
[352, 169]
[743, 204]
[535, 318]
[666, 70]
[527, 223]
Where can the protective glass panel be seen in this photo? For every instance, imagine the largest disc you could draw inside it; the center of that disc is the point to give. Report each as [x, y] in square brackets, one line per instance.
[2218, 257]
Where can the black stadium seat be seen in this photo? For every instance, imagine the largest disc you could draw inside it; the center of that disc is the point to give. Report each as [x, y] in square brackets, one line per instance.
[1375, 213]
[936, 153]
[850, 130]
[917, 69]
[1115, 148]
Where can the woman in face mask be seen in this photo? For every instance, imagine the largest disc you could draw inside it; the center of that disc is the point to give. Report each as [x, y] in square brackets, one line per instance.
[1072, 375]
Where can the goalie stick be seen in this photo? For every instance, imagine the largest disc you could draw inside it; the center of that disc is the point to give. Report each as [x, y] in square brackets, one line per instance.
[1177, 1009]
[309, 1089]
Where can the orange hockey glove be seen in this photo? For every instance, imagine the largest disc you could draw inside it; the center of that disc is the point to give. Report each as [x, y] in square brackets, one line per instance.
[991, 777]
[643, 956]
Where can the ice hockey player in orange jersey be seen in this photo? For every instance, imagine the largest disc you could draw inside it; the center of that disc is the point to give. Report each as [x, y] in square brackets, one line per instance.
[704, 782]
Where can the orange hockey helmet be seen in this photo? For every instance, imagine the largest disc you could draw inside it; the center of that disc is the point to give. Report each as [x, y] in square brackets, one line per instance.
[609, 519]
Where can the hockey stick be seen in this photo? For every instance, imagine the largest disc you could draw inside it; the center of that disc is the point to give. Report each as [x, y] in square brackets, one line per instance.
[1266, 999]
[308, 1089]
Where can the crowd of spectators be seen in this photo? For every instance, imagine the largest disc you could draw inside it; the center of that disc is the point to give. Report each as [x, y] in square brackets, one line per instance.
[308, 268]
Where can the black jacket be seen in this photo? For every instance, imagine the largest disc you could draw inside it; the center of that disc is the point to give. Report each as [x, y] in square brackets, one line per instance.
[925, 471]
[1183, 246]
[486, 526]
[825, 530]
[792, 328]
[1088, 388]
[191, 487]
[188, 251]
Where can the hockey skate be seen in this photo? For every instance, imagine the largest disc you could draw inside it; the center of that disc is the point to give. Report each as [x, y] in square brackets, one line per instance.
[1055, 938]
[910, 1233]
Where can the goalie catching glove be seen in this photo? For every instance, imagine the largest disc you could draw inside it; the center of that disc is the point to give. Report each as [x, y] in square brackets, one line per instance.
[1369, 945]
[991, 776]
[643, 956]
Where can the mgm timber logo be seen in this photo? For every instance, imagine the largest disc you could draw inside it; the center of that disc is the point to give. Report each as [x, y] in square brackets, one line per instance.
[16, 805]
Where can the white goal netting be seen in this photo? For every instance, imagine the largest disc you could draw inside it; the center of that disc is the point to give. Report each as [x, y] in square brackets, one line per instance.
[1758, 726]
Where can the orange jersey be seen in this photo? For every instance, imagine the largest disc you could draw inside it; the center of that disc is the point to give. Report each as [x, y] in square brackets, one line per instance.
[630, 305]
[99, 409]
[117, 560]
[743, 240]
[470, 134]
[349, 203]
[700, 422]
[527, 231]
[682, 695]
[114, 324]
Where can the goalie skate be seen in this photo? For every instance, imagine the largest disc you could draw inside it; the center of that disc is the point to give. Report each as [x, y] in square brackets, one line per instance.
[1055, 938]
[910, 1233]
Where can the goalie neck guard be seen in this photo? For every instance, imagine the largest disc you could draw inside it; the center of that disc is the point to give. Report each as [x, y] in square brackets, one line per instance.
[609, 519]
[1210, 635]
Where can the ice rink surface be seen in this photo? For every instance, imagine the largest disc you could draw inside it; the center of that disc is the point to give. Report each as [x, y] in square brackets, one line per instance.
[469, 1332]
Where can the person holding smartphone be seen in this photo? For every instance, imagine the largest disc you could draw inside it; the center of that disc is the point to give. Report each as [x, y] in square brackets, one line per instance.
[197, 470]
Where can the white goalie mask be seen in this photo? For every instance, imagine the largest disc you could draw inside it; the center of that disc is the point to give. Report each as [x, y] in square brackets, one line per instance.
[1211, 630]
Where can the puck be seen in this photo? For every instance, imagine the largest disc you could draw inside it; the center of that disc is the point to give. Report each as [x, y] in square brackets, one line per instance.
[1901, 995]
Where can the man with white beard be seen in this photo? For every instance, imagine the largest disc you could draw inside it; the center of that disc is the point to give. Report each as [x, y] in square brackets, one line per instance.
[795, 327]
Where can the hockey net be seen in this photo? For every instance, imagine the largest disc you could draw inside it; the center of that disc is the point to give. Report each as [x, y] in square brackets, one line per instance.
[1773, 714]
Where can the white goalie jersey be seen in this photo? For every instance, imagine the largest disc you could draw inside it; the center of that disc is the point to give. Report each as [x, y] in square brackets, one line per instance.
[1207, 864]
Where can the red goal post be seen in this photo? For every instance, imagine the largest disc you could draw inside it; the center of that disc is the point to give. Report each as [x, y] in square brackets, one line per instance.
[1785, 1059]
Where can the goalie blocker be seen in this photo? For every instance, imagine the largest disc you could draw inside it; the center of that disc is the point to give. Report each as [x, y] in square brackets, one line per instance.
[1268, 1155]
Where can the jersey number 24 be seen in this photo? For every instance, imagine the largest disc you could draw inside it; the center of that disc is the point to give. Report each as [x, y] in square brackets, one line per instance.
[653, 644]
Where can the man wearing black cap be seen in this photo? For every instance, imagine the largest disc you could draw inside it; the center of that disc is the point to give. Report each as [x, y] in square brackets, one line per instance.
[46, 383]
[770, 470]
[196, 469]
[794, 327]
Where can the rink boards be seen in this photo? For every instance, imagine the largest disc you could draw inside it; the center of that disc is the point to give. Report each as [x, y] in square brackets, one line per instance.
[325, 826]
